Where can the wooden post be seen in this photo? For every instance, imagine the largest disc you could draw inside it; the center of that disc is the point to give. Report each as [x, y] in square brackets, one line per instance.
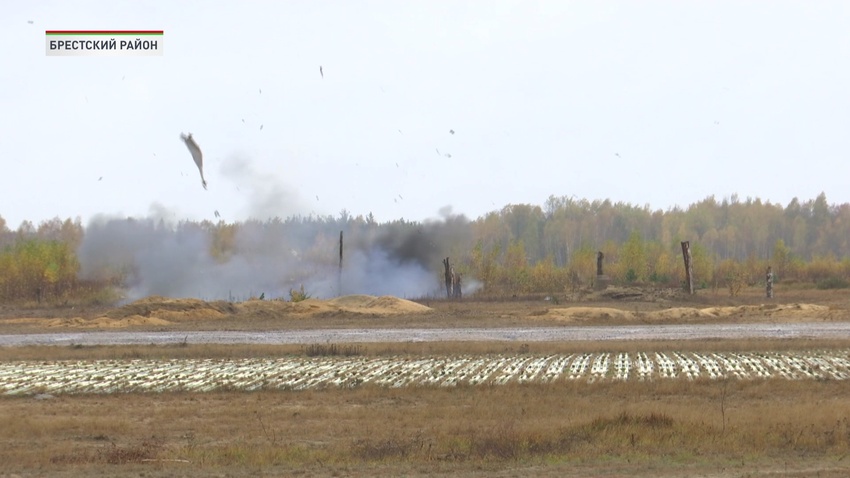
[689, 270]
[448, 278]
[769, 282]
[339, 275]
[456, 290]
[601, 282]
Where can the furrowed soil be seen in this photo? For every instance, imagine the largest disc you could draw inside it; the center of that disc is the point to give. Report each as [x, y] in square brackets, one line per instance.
[714, 428]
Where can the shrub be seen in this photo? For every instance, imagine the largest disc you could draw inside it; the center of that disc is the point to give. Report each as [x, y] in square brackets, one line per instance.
[833, 283]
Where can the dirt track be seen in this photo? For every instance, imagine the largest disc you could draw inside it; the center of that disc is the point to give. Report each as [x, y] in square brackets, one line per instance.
[520, 334]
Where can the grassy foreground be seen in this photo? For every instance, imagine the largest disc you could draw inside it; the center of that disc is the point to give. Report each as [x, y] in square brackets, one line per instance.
[720, 428]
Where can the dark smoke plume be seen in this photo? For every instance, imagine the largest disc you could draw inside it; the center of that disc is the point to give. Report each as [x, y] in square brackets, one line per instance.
[157, 256]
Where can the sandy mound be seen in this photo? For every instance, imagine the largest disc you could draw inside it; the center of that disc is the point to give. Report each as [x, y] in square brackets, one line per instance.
[349, 304]
[747, 312]
[589, 313]
[104, 322]
[173, 310]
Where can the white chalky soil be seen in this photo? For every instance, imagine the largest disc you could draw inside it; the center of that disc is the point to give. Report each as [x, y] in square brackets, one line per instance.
[203, 375]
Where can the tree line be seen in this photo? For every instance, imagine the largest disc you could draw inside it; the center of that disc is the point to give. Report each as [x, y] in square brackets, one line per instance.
[521, 248]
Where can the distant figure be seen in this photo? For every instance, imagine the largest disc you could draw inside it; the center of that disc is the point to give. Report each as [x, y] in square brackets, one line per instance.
[321, 72]
[196, 155]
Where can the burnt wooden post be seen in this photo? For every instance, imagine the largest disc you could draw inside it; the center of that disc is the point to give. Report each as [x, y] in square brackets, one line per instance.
[769, 282]
[601, 282]
[339, 274]
[456, 289]
[448, 278]
[689, 269]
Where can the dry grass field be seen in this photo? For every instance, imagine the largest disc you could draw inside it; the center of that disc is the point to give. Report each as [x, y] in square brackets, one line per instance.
[720, 428]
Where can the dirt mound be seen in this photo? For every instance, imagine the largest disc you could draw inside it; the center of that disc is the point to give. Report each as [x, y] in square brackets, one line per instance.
[354, 300]
[589, 313]
[174, 309]
[105, 322]
[349, 304]
[674, 314]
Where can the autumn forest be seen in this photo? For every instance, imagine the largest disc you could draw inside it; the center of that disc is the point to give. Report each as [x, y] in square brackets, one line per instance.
[520, 249]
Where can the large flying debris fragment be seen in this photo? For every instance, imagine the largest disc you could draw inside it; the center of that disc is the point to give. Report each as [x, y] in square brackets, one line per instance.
[196, 155]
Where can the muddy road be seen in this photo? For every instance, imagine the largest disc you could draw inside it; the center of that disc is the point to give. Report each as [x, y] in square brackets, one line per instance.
[814, 330]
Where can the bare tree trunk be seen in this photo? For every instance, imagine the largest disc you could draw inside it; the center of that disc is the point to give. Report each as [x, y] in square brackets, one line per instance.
[448, 278]
[599, 257]
[689, 269]
[456, 290]
[339, 275]
[769, 282]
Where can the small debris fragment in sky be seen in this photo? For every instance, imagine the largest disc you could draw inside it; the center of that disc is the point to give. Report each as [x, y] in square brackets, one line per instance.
[317, 198]
[617, 154]
[321, 72]
[30, 22]
[448, 155]
[100, 178]
[261, 91]
[261, 127]
[217, 214]
[452, 131]
[438, 152]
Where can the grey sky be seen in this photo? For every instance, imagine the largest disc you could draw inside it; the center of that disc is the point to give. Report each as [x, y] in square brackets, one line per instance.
[697, 98]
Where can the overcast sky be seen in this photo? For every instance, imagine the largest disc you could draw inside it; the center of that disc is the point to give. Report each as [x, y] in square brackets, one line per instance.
[648, 102]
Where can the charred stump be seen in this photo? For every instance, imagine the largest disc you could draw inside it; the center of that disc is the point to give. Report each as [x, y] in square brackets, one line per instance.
[601, 282]
[448, 278]
[769, 282]
[456, 287]
[689, 267]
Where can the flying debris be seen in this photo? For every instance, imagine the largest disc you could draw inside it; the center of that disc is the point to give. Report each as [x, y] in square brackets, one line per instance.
[261, 127]
[396, 164]
[317, 198]
[261, 91]
[321, 72]
[122, 78]
[452, 131]
[717, 122]
[100, 178]
[400, 196]
[438, 152]
[448, 155]
[400, 131]
[30, 22]
[196, 155]
[243, 120]
[217, 214]
[617, 154]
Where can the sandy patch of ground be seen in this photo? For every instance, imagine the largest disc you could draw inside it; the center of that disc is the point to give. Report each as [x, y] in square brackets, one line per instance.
[787, 312]
[153, 311]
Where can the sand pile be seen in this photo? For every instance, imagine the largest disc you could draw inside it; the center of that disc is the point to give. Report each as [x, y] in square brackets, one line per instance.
[746, 312]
